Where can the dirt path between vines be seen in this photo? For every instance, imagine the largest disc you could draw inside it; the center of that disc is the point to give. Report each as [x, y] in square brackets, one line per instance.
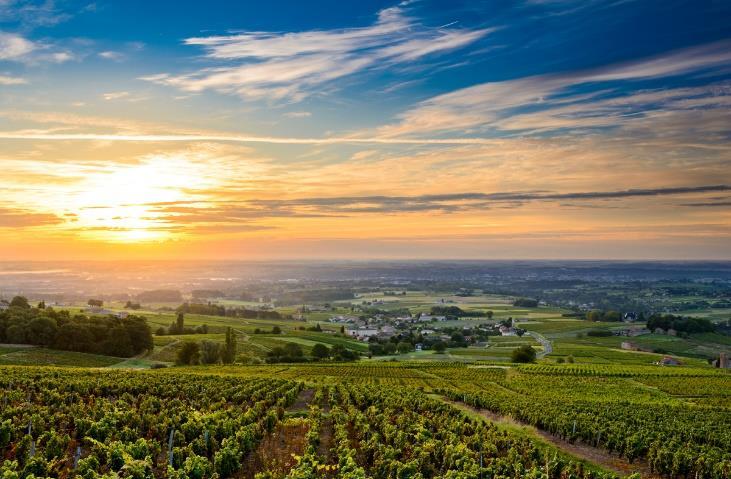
[594, 455]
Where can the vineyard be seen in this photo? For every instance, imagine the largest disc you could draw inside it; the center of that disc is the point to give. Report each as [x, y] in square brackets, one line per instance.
[63, 423]
[374, 420]
[66, 424]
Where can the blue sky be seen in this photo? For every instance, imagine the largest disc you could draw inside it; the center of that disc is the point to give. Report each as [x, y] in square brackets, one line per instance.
[381, 108]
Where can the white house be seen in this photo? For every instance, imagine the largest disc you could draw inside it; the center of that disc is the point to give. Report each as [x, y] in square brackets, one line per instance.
[428, 318]
[121, 314]
[507, 331]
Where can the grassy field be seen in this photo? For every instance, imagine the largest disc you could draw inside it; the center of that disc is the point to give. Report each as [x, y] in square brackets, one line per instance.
[51, 357]
[567, 335]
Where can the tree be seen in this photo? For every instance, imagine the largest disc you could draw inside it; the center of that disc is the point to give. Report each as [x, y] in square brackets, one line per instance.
[210, 352]
[180, 323]
[320, 351]
[293, 350]
[276, 330]
[189, 354]
[74, 337]
[95, 302]
[42, 330]
[439, 346]
[389, 348]
[228, 355]
[523, 354]
[340, 353]
[20, 302]
[404, 347]
[490, 314]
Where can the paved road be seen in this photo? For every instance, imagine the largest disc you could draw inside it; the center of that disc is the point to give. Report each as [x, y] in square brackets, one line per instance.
[547, 345]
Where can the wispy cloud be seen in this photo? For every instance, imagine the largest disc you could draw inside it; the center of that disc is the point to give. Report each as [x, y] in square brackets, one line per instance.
[9, 80]
[298, 114]
[115, 95]
[187, 212]
[47, 136]
[30, 13]
[554, 101]
[290, 66]
[21, 218]
[17, 48]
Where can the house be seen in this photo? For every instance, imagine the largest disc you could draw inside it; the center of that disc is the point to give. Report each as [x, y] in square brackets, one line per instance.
[418, 347]
[343, 319]
[428, 318]
[508, 331]
[4, 305]
[387, 329]
[362, 334]
[669, 361]
[722, 362]
[427, 332]
[672, 332]
[121, 314]
[632, 331]
[629, 317]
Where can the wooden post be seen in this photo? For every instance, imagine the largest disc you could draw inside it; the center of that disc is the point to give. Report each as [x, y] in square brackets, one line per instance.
[170, 447]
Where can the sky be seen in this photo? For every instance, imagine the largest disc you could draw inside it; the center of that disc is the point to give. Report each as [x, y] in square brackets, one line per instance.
[551, 129]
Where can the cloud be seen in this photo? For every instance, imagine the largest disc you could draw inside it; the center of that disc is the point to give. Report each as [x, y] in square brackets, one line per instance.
[535, 102]
[233, 138]
[298, 114]
[186, 212]
[15, 47]
[8, 80]
[111, 55]
[116, 95]
[291, 66]
[31, 13]
[19, 218]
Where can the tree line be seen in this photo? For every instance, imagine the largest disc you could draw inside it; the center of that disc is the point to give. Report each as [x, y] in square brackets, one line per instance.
[23, 324]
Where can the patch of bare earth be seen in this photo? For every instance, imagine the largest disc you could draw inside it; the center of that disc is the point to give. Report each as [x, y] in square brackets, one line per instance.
[303, 401]
[276, 452]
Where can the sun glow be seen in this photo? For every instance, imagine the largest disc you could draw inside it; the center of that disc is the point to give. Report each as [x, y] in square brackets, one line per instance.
[122, 205]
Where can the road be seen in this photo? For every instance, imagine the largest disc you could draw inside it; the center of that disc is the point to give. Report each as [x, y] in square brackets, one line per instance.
[547, 345]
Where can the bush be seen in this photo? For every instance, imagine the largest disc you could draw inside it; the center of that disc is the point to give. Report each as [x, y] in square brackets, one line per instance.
[599, 333]
[523, 354]
[189, 354]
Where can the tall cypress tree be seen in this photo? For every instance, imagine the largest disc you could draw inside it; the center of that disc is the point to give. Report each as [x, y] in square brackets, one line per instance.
[229, 353]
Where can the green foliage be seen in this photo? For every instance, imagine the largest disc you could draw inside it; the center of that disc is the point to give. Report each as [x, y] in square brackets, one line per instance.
[320, 351]
[523, 354]
[228, 355]
[189, 354]
[109, 335]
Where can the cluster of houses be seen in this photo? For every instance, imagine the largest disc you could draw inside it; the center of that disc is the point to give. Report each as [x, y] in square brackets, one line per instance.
[631, 331]
[102, 311]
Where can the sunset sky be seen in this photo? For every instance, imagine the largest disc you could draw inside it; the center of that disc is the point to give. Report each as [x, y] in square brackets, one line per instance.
[372, 129]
